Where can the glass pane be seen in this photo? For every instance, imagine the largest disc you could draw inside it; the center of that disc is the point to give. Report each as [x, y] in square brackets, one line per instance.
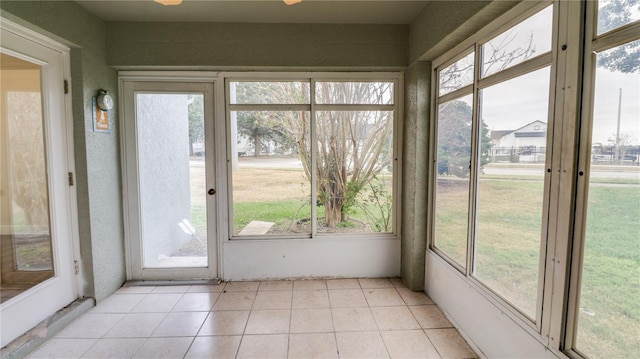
[613, 14]
[354, 93]
[510, 190]
[457, 75]
[354, 171]
[26, 235]
[271, 171]
[171, 160]
[259, 93]
[452, 180]
[529, 38]
[609, 309]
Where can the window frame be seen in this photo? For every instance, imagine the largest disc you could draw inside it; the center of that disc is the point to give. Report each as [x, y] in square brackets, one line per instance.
[575, 39]
[594, 43]
[474, 43]
[312, 78]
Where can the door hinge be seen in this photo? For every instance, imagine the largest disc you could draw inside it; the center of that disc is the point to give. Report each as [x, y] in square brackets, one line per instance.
[66, 87]
[76, 266]
[70, 178]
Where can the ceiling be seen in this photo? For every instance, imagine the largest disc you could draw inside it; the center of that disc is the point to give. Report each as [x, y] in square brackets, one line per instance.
[260, 11]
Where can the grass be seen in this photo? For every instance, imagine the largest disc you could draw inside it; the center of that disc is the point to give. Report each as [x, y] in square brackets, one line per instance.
[508, 245]
[609, 320]
[282, 196]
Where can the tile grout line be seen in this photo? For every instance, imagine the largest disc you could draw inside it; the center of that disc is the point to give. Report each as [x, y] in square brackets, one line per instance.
[201, 324]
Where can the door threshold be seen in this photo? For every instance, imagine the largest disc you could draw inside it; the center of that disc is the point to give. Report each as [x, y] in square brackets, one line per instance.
[161, 283]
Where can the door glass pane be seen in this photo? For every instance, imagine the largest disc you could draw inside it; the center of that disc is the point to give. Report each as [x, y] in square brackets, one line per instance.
[529, 38]
[171, 160]
[271, 172]
[613, 14]
[609, 309]
[24, 199]
[457, 75]
[452, 180]
[510, 190]
[354, 171]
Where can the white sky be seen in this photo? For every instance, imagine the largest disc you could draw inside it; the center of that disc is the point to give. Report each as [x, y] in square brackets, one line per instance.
[517, 102]
[605, 112]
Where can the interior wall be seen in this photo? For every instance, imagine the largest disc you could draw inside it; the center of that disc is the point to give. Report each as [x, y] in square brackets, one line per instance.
[311, 258]
[487, 328]
[97, 157]
[249, 46]
[278, 47]
[414, 176]
[443, 24]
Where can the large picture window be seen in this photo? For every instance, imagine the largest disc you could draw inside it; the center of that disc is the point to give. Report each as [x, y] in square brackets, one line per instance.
[311, 156]
[491, 140]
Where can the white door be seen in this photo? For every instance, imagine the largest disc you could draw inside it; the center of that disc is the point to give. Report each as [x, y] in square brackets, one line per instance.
[36, 200]
[169, 180]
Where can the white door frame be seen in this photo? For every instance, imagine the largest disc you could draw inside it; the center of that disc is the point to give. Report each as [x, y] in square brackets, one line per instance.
[26, 310]
[129, 83]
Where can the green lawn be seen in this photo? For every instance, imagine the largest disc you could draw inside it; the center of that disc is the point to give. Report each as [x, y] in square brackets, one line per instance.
[508, 245]
[610, 301]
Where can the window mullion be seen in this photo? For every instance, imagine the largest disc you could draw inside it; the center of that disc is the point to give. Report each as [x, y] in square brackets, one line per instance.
[456, 94]
[616, 37]
[562, 172]
[314, 158]
[474, 165]
[533, 64]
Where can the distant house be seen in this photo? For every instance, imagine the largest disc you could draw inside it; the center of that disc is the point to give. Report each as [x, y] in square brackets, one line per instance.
[531, 135]
[526, 144]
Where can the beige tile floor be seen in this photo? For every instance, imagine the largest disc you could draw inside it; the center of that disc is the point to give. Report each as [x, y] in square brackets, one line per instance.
[342, 318]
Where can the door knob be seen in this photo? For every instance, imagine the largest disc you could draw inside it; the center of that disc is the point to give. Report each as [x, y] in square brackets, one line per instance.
[211, 191]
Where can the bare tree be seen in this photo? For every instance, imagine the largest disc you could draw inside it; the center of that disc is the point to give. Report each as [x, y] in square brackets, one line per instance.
[352, 146]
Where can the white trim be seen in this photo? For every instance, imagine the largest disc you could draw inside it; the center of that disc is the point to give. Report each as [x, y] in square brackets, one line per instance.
[354, 249]
[35, 304]
[312, 78]
[617, 37]
[33, 36]
[168, 76]
[183, 83]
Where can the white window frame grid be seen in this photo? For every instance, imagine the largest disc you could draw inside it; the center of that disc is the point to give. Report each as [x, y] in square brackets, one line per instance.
[535, 63]
[312, 78]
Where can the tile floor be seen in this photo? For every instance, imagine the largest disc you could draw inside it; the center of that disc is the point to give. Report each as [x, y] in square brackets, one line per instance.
[342, 318]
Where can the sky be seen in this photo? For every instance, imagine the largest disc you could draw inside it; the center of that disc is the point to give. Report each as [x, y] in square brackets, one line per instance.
[514, 103]
[605, 112]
